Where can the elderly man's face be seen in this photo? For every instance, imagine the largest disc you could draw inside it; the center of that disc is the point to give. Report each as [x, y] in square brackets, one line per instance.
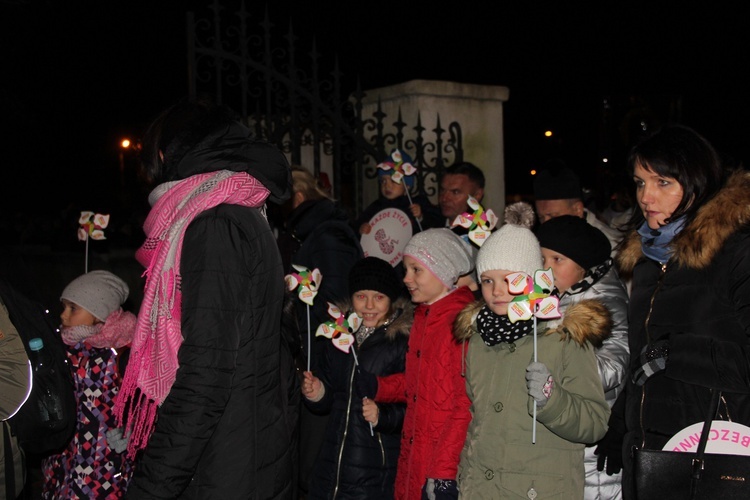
[454, 193]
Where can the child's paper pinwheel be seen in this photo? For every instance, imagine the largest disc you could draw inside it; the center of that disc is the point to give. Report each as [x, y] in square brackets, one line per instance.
[305, 281]
[400, 165]
[480, 223]
[340, 329]
[535, 302]
[92, 226]
[532, 297]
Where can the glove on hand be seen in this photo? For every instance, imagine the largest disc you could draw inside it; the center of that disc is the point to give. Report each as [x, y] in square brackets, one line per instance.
[609, 450]
[366, 384]
[539, 383]
[653, 359]
[440, 489]
[116, 440]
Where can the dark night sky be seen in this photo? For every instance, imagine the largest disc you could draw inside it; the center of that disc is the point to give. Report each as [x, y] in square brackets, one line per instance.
[78, 75]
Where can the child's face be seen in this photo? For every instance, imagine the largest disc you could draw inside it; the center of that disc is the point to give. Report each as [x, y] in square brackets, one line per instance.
[75, 315]
[566, 272]
[371, 306]
[424, 287]
[495, 290]
[389, 189]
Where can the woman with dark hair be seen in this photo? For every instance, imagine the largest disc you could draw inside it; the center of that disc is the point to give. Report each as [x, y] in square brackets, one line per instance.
[688, 253]
[204, 396]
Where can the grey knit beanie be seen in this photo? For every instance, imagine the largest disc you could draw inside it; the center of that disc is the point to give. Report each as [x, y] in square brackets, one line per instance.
[442, 252]
[99, 292]
[513, 247]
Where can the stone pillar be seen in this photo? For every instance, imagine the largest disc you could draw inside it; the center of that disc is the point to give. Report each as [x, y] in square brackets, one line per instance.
[478, 109]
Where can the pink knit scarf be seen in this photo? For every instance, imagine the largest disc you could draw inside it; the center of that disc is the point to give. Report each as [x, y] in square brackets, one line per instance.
[153, 360]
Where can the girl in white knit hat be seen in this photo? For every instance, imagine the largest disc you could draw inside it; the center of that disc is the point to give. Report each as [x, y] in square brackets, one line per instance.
[505, 455]
[97, 332]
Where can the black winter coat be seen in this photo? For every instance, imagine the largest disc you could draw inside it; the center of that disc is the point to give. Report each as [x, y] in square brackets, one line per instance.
[700, 302]
[353, 463]
[225, 431]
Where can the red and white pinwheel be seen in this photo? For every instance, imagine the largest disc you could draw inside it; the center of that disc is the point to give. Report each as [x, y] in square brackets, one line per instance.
[92, 226]
[305, 281]
[399, 164]
[480, 223]
[340, 329]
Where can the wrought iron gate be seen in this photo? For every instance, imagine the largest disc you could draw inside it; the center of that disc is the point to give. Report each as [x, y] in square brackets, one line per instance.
[291, 106]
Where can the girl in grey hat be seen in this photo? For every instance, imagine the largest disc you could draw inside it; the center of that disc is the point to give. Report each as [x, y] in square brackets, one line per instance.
[98, 333]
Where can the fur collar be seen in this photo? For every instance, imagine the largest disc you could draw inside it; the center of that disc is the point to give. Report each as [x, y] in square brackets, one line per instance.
[400, 326]
[586, 321]
[698, 243]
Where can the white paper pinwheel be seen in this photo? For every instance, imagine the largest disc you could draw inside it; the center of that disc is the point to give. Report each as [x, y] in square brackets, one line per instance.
[305, 281]
[399, 165]
[533, 297]
[480, 223]
[340, 329]
[92, 226]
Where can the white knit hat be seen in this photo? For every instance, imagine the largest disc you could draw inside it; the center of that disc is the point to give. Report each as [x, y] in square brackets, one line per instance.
[442, 252]
[99, 292]
[513, 247]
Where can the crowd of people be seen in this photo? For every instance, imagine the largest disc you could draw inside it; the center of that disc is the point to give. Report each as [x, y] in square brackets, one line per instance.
[440, 378]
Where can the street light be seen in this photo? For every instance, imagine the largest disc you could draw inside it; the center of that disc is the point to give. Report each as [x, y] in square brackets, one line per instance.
[124, 146]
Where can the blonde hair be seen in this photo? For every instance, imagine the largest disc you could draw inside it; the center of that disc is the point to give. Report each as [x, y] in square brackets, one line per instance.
[304, 182]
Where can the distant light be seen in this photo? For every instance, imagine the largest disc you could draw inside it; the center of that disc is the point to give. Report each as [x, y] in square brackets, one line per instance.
[125, 143]
[547, 133]
[533, 172]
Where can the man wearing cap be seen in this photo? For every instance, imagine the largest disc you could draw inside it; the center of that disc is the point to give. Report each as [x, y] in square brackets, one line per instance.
[557, 192]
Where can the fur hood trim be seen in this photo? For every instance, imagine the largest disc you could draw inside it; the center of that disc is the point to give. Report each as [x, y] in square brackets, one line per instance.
[463, 326]
[586, 321]
[400, 326]
[698, 243]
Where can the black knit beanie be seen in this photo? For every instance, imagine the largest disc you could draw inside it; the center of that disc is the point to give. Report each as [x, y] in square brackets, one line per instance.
[557, 184]
[576, 239]
[372, 273]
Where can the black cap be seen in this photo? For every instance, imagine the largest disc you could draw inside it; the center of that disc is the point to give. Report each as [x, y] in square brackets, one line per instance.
[557, 184]
[576, 239]
[372, 273]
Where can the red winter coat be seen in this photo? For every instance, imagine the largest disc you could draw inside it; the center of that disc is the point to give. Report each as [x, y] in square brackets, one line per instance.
[437, 411]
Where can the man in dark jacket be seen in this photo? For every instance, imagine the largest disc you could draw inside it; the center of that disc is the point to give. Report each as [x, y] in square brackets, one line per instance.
[225, 425]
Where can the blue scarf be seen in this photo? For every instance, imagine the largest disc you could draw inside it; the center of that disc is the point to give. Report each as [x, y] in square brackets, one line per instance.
[655, 242]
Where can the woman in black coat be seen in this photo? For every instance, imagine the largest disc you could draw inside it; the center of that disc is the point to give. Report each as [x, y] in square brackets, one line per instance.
[688, 256]
[357, 460]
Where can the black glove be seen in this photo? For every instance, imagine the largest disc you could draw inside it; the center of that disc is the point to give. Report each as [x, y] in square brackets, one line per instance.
[366, 384]
[440, 489]
[609, 450]
[653, 359]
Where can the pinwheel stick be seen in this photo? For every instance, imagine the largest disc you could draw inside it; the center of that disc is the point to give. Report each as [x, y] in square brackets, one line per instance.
[86, 258]
[356, 364]
[410, 204]
[533, 424]
[309, 338]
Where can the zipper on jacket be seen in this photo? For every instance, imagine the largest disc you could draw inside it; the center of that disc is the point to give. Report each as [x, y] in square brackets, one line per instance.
[659, 282]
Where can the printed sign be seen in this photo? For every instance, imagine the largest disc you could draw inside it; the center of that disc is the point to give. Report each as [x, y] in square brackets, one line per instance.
[390, 232]
[727, 438]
